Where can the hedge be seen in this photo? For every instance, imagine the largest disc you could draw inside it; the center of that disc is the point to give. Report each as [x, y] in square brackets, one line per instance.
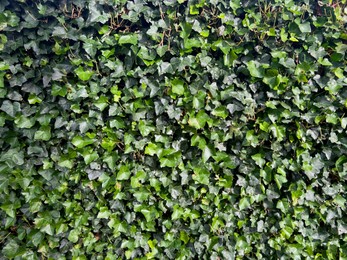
[164, 129]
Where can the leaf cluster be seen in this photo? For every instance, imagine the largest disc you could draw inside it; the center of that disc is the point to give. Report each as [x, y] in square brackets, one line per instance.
[189, 129]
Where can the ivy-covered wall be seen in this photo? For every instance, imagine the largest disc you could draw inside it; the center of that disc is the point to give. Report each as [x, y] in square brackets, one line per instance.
[188, 129]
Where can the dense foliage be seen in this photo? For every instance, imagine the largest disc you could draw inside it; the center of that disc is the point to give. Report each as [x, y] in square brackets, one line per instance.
[206, 129]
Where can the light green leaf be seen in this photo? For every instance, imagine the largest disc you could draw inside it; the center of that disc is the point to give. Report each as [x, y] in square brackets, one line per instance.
[344, 122]
[287, 232]
[74, 235]
[65, 162]
[84, 74]
[244, 203]
[101, 103]
[259, 159]
[145, 129]
[81, 142]
[177, 86]
[103, 213]
[201, 175]
[199, 121]
[305, 27]
[123, 173]
[255, 69]
[4, 66]
[206, 153]
[280, 179]
[152, 149]
[24, 122]
[340, 201]
[90, 156]
[128, 38]
[220, 111]
[43, 134]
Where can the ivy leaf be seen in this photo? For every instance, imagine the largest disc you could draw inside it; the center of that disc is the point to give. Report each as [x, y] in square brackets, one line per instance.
[305, 27]
[24, 122]
[177, 86]
[12, 249]
[123, 173]
[220, 112]
[152, 149]
[201, 175]
[90, 156]
[259, 159]
[104, 213]
[74, 235]
[255, 69]
[206, 153]
[44, 133]
[83, 74]
[280, 179]
[81, 142]
[244, 203]
[145, 129]
[199, 120]
[128, 39]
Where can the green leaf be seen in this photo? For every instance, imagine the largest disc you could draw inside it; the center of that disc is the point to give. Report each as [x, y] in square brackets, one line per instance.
[83, 74]
[128, 39]
[33, 99]
[37, 238]
[153, 149]
[9, 209]
[24, 122]
[136, 180]
[305, 27]
[259, 159]
[201, 175]
[171, 160]
[81, 142]
[252, 138]
[66, 163]
[146, 54]
[283, 205]
[103, 213]
[123, 173]
[220, 112]
[186, 29]
[90, 156]
[184, 237]
[206, 153]
[340, 201]
[255, 69]
[48, 229]
[199, 100]
[59, 90]
[244, 203]
[74, 235]
[287, 232]
[324, 61]
[161, 50]
[280, 179]
[4, 66]
[101, 103]
[193, 10]
[145, 129]
[199, 121]
[177, 86]
[12, 249]
[192, 43]
[43, 134]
